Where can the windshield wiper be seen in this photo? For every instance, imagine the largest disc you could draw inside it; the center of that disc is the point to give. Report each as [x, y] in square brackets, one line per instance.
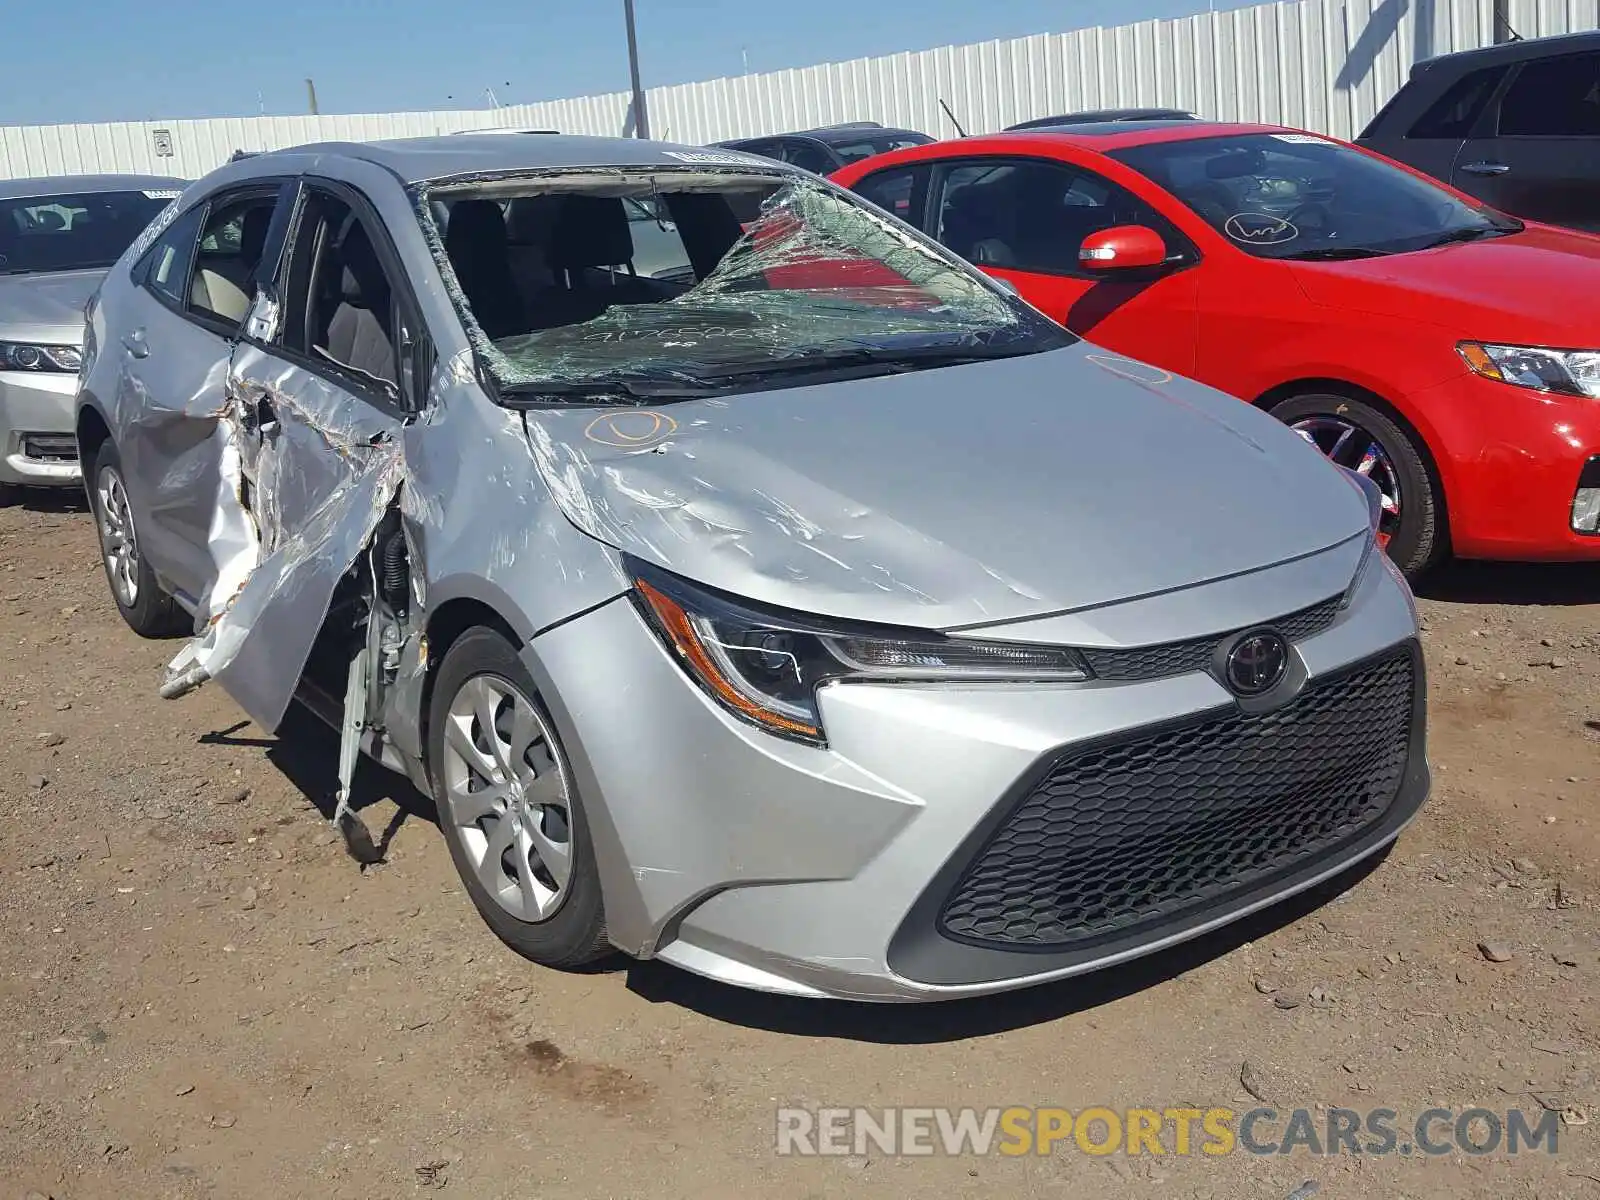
[895, 360]
[560, 393]
[1468, 233]
[1335, 254]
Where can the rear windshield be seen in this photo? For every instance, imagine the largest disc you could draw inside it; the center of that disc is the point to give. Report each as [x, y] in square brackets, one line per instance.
[73, 230]
[855, 151]
[1294, 195]
[689, 278]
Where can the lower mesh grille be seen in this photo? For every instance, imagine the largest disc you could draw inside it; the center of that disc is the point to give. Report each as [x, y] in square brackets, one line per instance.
[1135, 833]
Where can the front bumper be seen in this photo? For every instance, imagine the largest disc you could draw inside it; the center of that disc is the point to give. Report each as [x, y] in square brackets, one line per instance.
[820, 872]
[1512, 459]
[37, 444]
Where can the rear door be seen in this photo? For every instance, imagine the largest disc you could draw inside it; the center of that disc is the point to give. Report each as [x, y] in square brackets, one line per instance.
[176, 346]
[1537, 154]
[1025, 219]
[1432, 141]
[327, 372]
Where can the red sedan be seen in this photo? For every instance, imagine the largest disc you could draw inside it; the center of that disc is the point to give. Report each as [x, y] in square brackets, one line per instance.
[1449, 352]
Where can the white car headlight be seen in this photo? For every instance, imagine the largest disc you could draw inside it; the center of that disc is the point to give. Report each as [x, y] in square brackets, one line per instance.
[33, 356]
[1567, 372]
[765, 668]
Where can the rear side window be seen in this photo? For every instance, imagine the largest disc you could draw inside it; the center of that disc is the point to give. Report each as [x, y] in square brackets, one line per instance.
[166, 264]
[229, 255]
[1455, 113]
[1558, 97]
[899, 190]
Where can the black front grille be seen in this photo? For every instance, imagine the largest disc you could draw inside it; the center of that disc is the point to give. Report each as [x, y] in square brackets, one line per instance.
[1181, 658]
[1126, 835]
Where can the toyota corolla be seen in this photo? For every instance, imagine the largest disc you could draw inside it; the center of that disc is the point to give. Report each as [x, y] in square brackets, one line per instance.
[813, 615]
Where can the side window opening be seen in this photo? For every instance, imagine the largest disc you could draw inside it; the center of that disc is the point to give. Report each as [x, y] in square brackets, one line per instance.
[339, 301]
[1034, 216]
[1554, 97]
[229, 256]
[165, 265]
[898, 190]
[1455, 113]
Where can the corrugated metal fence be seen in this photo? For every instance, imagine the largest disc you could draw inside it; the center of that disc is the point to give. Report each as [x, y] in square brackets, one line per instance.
[1326, 65]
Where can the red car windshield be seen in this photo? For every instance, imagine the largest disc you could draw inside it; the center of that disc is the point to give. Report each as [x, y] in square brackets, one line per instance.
[1298, 196]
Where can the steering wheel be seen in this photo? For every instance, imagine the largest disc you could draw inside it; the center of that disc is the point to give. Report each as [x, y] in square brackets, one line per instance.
[1317, 226]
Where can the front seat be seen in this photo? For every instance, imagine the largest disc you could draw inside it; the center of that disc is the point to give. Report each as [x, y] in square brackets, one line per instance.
[475, 240]
[591, 234]
[358, 334]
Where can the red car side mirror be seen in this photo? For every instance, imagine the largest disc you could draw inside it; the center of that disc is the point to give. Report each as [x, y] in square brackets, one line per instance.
[1124, 248]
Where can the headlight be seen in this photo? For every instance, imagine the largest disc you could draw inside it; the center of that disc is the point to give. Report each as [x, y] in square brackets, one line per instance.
[1568, 372]
[765, 667]
[30, 356]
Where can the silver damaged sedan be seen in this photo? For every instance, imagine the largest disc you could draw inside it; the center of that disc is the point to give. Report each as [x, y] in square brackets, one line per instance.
[806, 611]
[57, 238]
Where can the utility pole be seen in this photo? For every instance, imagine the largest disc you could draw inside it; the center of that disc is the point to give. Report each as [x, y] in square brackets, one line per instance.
[311, 95]
[641, 122]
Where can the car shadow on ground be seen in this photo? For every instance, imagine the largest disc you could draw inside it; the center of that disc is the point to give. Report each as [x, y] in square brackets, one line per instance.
[306, 751]
[52, 500]
[1463, 582]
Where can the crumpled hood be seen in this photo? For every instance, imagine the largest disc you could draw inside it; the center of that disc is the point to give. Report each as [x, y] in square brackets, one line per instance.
[1527, 287]
[47, 301]
[953, 497]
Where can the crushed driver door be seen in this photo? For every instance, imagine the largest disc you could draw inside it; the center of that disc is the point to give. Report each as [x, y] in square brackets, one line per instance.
[313, 457]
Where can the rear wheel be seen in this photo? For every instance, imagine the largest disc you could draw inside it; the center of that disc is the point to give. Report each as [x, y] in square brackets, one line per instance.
[149, 611]
[1362, 438]
[509, 807]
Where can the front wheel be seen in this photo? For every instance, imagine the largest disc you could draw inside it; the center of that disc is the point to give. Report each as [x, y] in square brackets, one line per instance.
[1360, 437]
[509, 807]
[149, 611]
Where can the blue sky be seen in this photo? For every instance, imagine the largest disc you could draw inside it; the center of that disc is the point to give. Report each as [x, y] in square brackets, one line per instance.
[114, 60]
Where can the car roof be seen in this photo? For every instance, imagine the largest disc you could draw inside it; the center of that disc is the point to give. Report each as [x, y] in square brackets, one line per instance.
[1103, 115]
[57, 185]
[418, 160]
[1101, 138]
[1518, 51]
[834, 135]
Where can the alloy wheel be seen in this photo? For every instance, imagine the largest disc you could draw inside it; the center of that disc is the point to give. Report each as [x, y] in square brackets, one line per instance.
[1349, 445]
[508, 797]
[118, 544]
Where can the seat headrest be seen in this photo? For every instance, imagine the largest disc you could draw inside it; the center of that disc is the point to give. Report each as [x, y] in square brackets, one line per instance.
[253, 233]
[362, 282]
[591, 231]
[530, 219]
[477, 224]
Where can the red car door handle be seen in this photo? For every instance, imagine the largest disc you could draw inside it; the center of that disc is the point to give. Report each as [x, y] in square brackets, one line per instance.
[1486, 168]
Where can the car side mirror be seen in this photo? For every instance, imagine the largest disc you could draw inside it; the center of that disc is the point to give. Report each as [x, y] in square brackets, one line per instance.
[261, 322]
[1123, 248]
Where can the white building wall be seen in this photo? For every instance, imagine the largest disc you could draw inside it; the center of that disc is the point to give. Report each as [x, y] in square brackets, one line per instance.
[1326, 65]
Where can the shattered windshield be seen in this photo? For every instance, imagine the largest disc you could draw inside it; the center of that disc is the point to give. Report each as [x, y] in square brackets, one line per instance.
[617, 286]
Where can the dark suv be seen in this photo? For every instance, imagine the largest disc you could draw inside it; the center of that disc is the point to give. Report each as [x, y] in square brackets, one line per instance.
[824, 151]
[1516, 125]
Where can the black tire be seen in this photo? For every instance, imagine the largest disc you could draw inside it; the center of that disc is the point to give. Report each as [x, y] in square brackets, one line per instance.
[575, 934]
[1419, 540]
[153, 612]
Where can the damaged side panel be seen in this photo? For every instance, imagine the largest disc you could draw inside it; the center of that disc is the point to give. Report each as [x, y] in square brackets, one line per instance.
[306, 471]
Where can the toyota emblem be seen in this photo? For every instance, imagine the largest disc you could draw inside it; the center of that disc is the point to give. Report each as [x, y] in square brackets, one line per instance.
[1257, 663]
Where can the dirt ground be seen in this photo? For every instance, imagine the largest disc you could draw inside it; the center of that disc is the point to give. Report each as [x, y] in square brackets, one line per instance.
[203, 994]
